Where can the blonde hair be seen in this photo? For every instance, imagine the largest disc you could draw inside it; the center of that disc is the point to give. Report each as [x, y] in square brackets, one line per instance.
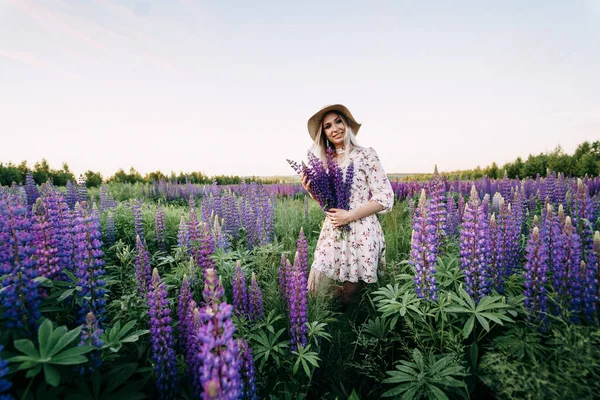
[319, 147]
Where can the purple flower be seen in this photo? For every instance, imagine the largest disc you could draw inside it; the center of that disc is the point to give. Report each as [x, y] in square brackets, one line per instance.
[183, 237]
[453, 219]
[31, 189]
[183, 306]
[423, 254]
[143, 269]
[240, 295]
[297, 290]
[81, 190]
[90, 335]
[138, 220]
[475, 248]
[255, 303]
[163, 352]
[88, 263]
[5, 384]
[20, 296]
[71, 195]
[535, 271]
[437, 207]
[247, 371]
[159, 225]
[46, 232]
[219, 352]
[567, 276]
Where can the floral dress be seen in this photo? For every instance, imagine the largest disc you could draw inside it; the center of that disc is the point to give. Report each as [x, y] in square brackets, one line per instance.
[358, 253]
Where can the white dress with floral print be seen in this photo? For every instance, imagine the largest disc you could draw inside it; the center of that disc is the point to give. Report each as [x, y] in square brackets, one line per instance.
[359, 253]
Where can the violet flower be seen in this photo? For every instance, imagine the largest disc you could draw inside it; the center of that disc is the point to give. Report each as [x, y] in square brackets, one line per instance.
[159, 225]
[423, 254]
[474, 248]
[535, 271]
[163, 352]
[255, 302]
[247, 371]
[143, 269]
[240, 295]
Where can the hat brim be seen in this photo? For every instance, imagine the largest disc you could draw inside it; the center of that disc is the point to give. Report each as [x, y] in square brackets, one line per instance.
[315, 121]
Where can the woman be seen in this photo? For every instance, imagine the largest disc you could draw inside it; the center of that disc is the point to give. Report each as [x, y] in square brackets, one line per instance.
[356, 257]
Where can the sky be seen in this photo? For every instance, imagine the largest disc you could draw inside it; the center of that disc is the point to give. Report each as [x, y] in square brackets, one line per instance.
[227, 87]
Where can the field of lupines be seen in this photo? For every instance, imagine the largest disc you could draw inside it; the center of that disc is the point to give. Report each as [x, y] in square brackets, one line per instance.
[190, 291]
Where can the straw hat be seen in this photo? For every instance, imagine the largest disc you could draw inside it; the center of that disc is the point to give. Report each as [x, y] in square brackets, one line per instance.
[315, 121]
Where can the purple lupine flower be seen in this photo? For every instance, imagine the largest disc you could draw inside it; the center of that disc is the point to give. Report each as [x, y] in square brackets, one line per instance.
[88, 263]
[505, 186]
[192, 348]
[423, 253]
[567, 284]
[240, 295]
[220, 369]
[183, 308]
[31, 189]
[71, 194]
[110, 228]
[437, 208]
[159, 224]
[460, 206]
[583, 217]
[205, 249]
[535, 271]
[595, 268]
[20, 295]
[138, 221]
[255, 302]
[247, 371]
[588, 288]
[474, 248]
[65, 237]
[82, 194]
[46, 237]
[496, 254]
[302, 248]
[90, 335]
[550, 231]
[453, 218]
[163, 342]
[5, 384]
[143, 269]
[297, 291]
[183, 238]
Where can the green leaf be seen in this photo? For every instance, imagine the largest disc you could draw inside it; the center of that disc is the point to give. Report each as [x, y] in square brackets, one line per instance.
[469, 326]
[26, 346]
[33, 371]
[437, 393]
[44, 332]
[52, 376]
[65, 340]
[66, 294]
[484, 323]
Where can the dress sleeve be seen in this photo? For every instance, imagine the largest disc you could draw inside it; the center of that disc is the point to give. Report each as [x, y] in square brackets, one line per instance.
[379, 184]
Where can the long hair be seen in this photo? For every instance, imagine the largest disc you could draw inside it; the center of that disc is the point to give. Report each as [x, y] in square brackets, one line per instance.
[321, 143]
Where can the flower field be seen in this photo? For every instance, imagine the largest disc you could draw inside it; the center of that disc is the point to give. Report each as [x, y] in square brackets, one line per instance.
[183, 291]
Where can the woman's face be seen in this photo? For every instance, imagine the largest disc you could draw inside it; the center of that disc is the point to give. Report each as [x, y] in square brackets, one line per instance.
[334, 129]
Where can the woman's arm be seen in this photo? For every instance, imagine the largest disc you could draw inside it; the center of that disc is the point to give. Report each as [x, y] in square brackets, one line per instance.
[341, 217]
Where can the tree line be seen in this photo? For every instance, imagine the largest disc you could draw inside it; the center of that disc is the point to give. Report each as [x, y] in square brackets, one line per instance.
[42, 172]
[585, 160]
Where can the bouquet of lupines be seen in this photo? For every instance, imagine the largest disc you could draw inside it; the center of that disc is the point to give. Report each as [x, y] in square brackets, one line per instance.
[329, 183]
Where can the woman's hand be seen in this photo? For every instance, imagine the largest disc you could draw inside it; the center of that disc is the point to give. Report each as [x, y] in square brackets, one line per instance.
[340, 217]
[306, 185]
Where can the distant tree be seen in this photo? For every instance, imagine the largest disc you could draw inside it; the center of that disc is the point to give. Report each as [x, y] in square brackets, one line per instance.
[62, 176]
[492, 171]
[10, 173]
[92, 179]
[587, 164]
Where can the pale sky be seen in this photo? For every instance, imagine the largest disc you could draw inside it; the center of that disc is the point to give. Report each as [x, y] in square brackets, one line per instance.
[226, 87]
